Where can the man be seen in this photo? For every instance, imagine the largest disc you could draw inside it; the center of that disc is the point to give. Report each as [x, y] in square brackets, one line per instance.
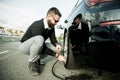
[33, 41]
[79, 34]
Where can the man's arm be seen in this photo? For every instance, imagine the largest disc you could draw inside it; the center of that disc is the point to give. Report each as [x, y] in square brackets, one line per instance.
[53, 38]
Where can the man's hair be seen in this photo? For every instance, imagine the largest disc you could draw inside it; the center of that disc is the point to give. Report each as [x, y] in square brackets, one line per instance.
[54, 10]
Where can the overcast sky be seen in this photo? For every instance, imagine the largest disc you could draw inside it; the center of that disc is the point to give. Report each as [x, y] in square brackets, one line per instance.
[19, 14]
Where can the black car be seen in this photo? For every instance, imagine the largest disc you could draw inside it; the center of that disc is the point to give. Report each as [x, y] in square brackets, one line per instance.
[103, 18]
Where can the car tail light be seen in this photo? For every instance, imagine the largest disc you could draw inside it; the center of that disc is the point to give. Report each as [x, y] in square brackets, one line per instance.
[94, 2]
[108, 23]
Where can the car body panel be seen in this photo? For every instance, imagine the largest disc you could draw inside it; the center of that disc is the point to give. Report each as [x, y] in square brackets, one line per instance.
[104, 42]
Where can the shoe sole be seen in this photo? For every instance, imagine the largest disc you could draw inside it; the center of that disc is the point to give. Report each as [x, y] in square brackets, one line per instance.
[35, 73]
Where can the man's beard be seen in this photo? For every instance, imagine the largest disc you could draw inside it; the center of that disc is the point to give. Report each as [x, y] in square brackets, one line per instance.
[50, 24]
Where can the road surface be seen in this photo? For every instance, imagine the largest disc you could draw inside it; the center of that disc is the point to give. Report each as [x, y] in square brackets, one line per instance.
[14, 66]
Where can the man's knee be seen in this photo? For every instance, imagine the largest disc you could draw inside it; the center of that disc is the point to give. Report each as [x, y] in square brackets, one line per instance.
[39, 40]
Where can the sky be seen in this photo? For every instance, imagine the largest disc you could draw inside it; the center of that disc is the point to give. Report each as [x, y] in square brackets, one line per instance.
[20, 14]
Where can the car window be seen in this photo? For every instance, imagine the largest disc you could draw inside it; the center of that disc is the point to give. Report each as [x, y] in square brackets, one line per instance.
[105, 21]
[104, 7]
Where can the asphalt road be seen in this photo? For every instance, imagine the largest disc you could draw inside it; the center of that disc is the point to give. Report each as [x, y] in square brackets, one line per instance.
[14, 66]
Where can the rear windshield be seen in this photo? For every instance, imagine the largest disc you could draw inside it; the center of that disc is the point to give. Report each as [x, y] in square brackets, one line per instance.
[109, 5]
[95, 2]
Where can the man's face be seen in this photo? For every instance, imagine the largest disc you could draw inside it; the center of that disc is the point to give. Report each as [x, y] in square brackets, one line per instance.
[54, 19]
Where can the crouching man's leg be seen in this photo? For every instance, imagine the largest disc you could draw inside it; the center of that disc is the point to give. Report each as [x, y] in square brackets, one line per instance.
[32, 47]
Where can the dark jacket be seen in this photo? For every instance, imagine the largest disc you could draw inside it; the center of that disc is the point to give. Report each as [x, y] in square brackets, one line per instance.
[37, 28]
[78, 36]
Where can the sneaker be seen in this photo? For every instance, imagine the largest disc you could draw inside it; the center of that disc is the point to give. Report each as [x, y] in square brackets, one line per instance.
[33, 67]
[40, 62]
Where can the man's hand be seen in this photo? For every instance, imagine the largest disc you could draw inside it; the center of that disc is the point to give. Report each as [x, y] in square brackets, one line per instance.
[58, 48]
[61, 58]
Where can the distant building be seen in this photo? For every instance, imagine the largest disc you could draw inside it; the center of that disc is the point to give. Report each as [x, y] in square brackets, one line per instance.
[12, 32]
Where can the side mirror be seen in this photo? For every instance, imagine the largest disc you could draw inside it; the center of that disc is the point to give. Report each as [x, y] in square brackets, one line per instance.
[66, 21]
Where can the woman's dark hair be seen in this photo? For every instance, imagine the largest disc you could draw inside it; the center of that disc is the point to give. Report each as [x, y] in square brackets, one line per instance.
[78, 16]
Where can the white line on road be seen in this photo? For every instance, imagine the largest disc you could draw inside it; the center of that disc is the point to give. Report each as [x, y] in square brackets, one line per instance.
[4, 52]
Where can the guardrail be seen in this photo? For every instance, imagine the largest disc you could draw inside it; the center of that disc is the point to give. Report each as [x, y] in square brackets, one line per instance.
[10, 38]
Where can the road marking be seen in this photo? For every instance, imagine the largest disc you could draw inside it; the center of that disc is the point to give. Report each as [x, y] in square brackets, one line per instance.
[4, 52]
